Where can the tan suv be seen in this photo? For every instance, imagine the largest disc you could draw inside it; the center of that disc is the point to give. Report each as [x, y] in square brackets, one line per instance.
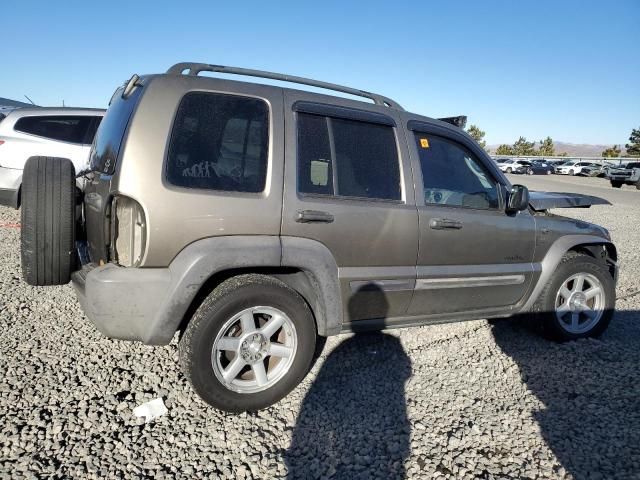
[256, 219]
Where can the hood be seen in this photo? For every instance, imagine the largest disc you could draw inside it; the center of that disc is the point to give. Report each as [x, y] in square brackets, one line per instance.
[541, 201]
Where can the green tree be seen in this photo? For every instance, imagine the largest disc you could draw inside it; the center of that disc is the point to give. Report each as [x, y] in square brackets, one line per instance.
[612, 152]
[504, 150]
[524, 148]
[633, 148]
[477, 135]
[546, 148]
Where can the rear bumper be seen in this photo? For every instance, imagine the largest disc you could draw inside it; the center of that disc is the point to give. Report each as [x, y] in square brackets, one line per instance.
[124, 303]
[10, 181]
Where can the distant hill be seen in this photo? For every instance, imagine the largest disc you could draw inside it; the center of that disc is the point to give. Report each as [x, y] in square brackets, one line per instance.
[573, 149]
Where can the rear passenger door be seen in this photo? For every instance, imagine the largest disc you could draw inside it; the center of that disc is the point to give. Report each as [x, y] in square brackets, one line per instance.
[348, 186]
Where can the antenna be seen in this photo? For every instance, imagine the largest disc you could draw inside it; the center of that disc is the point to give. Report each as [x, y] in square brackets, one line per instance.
[30, 101]
[63, 105]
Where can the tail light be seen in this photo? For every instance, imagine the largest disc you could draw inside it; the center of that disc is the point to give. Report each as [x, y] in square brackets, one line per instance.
[128, 232]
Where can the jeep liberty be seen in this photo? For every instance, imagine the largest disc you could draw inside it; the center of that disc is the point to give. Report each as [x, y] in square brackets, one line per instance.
[255, 219]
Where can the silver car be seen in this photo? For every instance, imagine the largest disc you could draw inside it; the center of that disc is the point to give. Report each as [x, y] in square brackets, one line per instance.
[38, 131]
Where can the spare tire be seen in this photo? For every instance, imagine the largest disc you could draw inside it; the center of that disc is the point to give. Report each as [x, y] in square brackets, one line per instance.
[48, 221]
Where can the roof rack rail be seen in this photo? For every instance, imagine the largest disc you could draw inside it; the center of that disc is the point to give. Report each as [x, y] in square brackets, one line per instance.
[195, 68]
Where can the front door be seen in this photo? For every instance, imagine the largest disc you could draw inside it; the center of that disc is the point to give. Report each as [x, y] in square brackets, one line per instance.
[346, 186]
[473, 257]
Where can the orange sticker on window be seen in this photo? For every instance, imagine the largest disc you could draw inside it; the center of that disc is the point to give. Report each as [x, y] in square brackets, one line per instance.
[424, 143]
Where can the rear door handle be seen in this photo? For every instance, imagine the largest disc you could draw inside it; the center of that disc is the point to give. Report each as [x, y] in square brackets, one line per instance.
[313, 216]
[444, 224]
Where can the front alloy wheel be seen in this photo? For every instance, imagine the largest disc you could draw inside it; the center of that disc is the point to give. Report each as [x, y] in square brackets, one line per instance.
[580, 303]
[579, 299]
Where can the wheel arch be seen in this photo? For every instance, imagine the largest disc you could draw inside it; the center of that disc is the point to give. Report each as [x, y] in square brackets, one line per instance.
[594, 246]
[305, 265]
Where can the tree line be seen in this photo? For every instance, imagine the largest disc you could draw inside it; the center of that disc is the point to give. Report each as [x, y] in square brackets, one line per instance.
[522, 147]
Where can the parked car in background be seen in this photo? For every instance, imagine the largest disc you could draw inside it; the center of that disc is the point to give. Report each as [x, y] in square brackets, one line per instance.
[47, 132]
[576, 167]
[514, 166]
[539, 167]
[629, 174]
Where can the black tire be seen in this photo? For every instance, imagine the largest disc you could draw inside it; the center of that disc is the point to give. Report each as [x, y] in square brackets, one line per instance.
[615, 184]
[509, 170]
[571, 172]
[530, 171]
[227, 300]
[48, 221]
[638, 185]
[545, 306]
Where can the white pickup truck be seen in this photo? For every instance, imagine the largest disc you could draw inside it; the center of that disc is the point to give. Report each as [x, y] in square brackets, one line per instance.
[628, 174]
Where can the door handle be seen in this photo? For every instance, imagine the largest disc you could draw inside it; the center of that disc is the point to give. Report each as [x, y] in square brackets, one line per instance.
[444, 224]
[313, 216]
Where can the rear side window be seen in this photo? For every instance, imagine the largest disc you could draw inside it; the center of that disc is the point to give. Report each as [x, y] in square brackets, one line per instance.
[108, 139]
[219, 142]
[65, 128]
[347, 158]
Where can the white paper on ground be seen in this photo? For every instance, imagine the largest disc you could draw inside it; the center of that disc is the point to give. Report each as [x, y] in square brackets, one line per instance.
[150, 410]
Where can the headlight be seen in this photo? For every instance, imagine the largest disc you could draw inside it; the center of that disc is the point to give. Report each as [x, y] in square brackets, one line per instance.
[128, 232]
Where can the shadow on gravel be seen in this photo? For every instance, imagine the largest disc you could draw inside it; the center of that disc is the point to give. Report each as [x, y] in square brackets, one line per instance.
[353, 421]
[591, 394]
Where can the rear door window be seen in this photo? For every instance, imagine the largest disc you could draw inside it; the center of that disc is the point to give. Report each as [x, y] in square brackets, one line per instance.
[347, 158]
[65, 128]
[219, 142]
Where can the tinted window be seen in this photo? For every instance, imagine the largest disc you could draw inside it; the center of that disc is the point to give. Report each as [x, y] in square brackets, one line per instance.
[219, 142]
[453, 176]
[106, 144]
[65, 128]
[364, 156]
[315, 170]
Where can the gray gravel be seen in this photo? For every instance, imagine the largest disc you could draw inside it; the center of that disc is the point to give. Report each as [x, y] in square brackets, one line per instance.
[471, 400]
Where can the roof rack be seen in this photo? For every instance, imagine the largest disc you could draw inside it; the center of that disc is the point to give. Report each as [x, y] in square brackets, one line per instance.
[195, 68]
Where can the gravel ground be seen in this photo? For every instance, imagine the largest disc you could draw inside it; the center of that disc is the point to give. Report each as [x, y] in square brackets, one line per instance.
[471, 400]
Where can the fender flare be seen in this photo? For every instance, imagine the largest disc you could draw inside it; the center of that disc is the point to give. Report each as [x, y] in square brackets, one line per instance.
[195, 264]
[318, 263]
[553, 257]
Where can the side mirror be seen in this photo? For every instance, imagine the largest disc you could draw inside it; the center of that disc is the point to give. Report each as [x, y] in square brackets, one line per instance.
[518, 199]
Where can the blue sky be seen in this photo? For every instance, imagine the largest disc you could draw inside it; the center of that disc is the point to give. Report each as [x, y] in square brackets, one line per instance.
[568, 69]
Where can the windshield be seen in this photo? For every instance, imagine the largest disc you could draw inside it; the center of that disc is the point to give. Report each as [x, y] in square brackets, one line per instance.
[106, 145]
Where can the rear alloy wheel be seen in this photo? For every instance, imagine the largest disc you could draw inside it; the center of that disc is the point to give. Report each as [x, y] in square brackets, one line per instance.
[529, 171]
[571, 172]
[549, 172]
[509, 170]
[579, 299]
[48, 220]
[249, 344]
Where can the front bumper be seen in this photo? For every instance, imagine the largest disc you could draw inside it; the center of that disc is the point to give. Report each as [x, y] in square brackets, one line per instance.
[10, 181]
